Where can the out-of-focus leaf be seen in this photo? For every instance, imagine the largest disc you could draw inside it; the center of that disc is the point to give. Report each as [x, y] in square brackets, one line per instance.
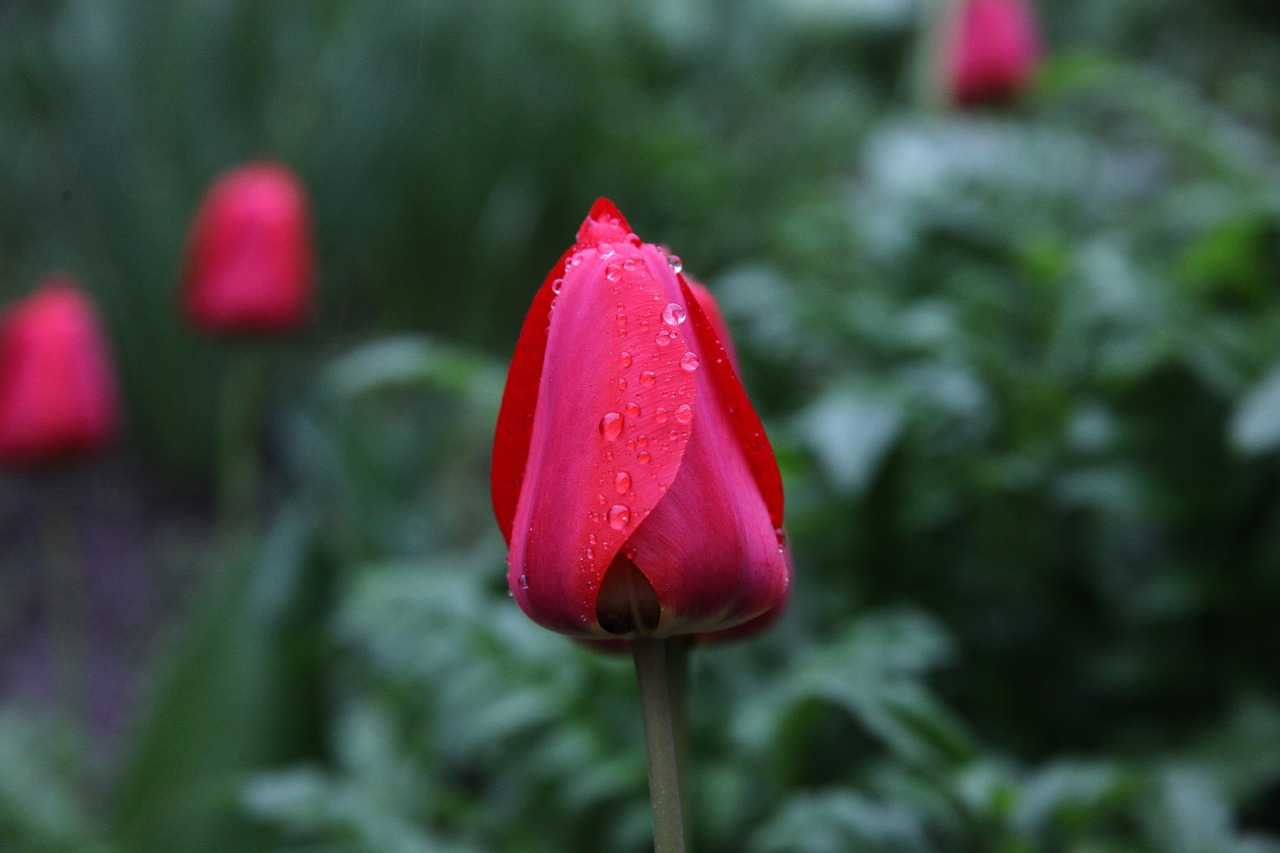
[411, 361]
[40, 806]
[839, 821]
[1255, 423]
[851, 430]
[237, 690]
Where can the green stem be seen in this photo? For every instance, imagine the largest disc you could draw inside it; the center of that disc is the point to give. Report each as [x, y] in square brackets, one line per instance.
[66, 601]
[238, 427]
[653, 660]
[677, 650]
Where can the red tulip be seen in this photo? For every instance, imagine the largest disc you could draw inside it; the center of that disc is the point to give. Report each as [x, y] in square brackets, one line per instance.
[631, 477]
[57, 389]
[993, 50]
[249, 265]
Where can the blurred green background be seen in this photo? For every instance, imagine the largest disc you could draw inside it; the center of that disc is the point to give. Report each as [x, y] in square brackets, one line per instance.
[1021, 368]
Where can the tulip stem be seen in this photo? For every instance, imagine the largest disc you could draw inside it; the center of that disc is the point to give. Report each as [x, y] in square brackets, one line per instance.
[660, 667]
[66, 604]
[238, 427]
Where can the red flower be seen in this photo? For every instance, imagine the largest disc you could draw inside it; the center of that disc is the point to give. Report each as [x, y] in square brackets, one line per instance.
[631, 477]
[249, 265]
[57, 389]
[993, 50]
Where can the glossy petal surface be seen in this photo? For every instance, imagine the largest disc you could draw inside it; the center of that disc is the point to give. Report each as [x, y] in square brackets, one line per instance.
[621, 436]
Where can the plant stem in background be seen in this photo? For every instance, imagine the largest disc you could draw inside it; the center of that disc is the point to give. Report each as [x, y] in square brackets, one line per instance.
[66, 603]
[661, 706]
[240, 410]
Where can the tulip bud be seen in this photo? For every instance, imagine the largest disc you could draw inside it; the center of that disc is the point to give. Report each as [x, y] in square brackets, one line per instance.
[631, 477]
[57, 389]
[991, 50]
[249, 265]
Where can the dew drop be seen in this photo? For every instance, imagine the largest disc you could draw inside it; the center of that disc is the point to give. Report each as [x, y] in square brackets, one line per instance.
[621, 318]
[660, 415]
[642, 440]
[611, 426]
[606, 250]
[648, 378]
[629, 264]
[684, 413]
[642, 456]
[589, 554]
[613, 272]
[557, 285]
[523, 580]
[622, 384]
[591, 540]
[631, 552]
[621, 482]
[782, 538]
[632, 409]
[662, 340]
[624, 359]
[619, 516]
[674, 314]
[676, 264]
[689, 362]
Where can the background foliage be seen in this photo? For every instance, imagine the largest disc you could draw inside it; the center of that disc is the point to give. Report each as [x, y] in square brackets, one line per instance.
[1020, 368]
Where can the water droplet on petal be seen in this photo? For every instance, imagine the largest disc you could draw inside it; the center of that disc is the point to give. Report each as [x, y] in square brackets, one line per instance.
[619, 516]
[648, 378]
[624, 359]
[621, 482]
[782, 538]
[622, 384]
[621, 318]
[642, 456]
[613, 272]
[523, 580]
[605, 250]
[589, 554]
[689, 362]
[556, 285]
[611, 426]
[642, 440]
[674, 314]
[632, 409]
[676, 264]
[662, 340]
[684, 413]
[629, 264]
[660, 415]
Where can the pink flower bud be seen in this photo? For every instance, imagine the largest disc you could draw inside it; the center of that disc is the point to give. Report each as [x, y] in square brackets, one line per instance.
[249, 265]
[58, 394]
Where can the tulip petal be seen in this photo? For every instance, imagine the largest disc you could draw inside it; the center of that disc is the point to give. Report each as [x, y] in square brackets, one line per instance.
[712, 548]
[519, 397]
[731, 393]
[610, 423]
